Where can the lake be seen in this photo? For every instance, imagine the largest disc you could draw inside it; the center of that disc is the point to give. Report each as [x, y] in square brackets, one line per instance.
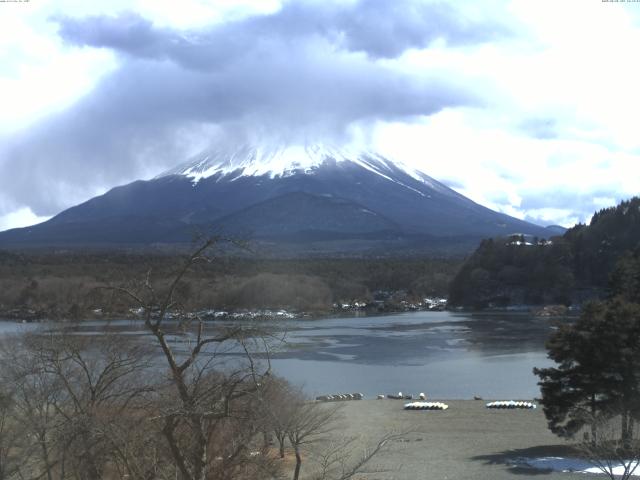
[443, 354]
[446, 355]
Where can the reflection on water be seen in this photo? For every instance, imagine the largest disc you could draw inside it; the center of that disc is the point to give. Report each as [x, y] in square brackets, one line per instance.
[444, 354]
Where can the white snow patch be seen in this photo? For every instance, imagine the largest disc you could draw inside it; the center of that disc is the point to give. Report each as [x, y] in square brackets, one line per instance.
[573, 465]
[285, 161]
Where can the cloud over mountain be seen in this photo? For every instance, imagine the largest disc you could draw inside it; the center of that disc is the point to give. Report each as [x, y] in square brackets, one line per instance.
[378, 28]
[507, 101]
[309, 69]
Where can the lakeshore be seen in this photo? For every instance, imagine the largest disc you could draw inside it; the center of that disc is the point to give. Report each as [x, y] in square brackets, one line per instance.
[442, 353]
[445, 354]
[466, 441]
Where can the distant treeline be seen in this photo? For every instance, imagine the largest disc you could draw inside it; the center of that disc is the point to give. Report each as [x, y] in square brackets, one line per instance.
[577, 266]
[71, 284]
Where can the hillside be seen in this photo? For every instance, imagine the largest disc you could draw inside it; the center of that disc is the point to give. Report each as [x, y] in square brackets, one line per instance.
[569, 269]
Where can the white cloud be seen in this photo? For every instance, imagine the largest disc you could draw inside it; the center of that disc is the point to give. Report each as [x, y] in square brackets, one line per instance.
[22, 217]
[557, 119]
[508, 170]
[38, 74]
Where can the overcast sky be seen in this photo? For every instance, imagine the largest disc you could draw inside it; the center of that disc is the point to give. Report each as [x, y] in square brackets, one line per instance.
[529, 107]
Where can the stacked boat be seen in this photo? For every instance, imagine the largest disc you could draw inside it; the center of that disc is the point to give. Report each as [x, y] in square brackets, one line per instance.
[340, 397]
[510, 404]
[425, 406]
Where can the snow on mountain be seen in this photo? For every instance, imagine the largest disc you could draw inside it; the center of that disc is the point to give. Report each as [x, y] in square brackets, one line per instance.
[285, 161]
[313, 198]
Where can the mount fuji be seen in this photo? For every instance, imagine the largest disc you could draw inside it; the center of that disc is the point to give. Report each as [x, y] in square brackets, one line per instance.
[304, 199]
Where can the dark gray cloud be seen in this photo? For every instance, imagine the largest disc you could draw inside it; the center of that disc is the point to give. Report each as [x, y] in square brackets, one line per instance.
[143, 114]
[299, 72]
[379, 28]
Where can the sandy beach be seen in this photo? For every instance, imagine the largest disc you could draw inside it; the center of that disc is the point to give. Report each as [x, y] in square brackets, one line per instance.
[467, 441]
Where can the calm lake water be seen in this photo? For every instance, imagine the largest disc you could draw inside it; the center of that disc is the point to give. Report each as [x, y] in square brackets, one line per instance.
[443, 354]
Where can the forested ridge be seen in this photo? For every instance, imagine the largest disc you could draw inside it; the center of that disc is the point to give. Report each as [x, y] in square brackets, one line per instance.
[70, 285]
[566, 269]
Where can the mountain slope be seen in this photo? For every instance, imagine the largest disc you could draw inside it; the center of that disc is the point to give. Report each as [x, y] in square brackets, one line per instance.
[274, 193]
[294, 213]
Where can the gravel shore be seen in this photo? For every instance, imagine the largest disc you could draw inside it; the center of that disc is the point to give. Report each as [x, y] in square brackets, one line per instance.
[467, 441]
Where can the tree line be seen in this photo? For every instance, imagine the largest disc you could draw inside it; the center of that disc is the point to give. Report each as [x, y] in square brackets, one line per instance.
[67, 285]
[594, 388]
[568, 269]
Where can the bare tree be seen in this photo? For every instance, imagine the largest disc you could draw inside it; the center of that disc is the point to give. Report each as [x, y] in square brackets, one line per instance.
[36, 395]
[195, 403]
[98, 406]
[101, 378]
[71, 395]
[279, 404]
[614, 454]
[342, 459]
[203, 398]
[309, 423]
[10, 439]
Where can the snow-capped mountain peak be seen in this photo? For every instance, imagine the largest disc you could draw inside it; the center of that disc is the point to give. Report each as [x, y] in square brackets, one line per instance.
[283, 161]
[313, 199]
